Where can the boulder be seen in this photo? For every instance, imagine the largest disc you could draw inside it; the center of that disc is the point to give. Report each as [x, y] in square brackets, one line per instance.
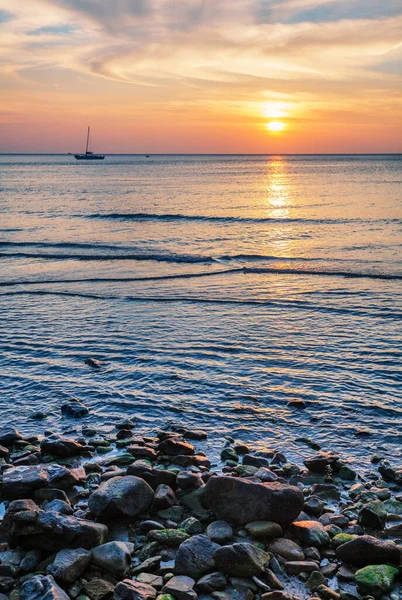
[99, 589]
[121, 497]
[113, 557]
[376, 580]
[373, 515]
[212, 582]
[57, 445]
[367, 550]
[21, 482]
[41, 587]
[9, 435]
[240, 560]
[240, 501]
[310, 533]
[320, 462]
[133, 590]
[195, 556]
[69, 565]
[74, 409]
[175, 447]
[181, 588]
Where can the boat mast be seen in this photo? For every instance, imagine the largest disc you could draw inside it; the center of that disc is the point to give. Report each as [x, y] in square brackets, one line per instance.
[86, 151]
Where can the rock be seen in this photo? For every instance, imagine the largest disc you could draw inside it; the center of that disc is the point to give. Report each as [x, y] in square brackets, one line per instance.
[229, 454]
[168, 537]
[376, 579]
[319, 462]
[211, 583]
[300, 566]
[266, 475]
[74, 409]
[315, 580]
[38, 415]
[287, 549]
[195, 556]
[21, 482]
[255, 461]
[60, 506]
[132, 590]
[263, 530]
[241, 501]
[195, 434]
[29, 527]
[296, 403]
[367, 550]
[155, 580]
[220, 532]
[9, 435]
[69, 565]
[41, 587]
[174, 447]
[113, 557]
[192, 526]
[373, 515]
[164, 497]
[240, 560]
[121, 497]
[313, 506]
[189, 481]
[93, 362]
[57, 445]
[99, 589]
[277, 595]
[310, 533]
[181, 588]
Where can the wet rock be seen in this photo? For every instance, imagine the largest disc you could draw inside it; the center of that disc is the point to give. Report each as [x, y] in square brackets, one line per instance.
[367, 550]
[195, 556]
[189, 481]
[74, 409]
[174, 447]
[57, 445]
[315, 580]
[38, 415]
[142, 452]
[241, 501]
[21, 482]
[41, 587]
[99, 589]
[296, 403]
[133, 590]
[240, 560]
[121, 497]
[313, 506]
[255, 461]
[310, 533]
[192, 526]
[69, 565]
[320, 462]
[220, 532]
[266, 475]
[60, 506]
[93, 362]
[181, 588]
[113, 557]
[326, 491]
[277, 595]
[9, 435]
[195, 434]
[287, 549]
[155, 581]
[263, 530]
[376, 580]
[164, 497]
[373, 515]
[229, 454]
[212, 582]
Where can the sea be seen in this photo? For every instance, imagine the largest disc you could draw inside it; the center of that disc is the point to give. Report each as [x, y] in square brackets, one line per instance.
[214, 290]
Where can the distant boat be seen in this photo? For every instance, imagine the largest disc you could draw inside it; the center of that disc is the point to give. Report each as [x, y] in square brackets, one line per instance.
[147, 156]
[89, 155]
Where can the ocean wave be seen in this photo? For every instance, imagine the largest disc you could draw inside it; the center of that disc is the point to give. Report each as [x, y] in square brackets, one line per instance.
[167, 217]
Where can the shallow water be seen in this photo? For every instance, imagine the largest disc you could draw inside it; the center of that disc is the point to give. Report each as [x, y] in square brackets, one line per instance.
[214, 289]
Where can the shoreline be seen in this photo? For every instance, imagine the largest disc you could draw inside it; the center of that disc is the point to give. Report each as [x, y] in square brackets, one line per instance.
[130, 516]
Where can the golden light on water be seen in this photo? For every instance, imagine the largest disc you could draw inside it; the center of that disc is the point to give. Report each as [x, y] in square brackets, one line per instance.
[275, 126]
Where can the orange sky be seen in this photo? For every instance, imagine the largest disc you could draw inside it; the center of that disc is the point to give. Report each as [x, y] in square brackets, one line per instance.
[201, 75]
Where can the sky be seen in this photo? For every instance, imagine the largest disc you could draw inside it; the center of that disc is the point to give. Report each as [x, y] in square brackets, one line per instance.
[201, 76]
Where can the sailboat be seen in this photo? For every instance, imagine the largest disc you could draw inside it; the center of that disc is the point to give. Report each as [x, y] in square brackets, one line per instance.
[89, 155]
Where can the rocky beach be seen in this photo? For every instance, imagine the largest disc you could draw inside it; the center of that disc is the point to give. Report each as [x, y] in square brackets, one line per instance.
[94, 516]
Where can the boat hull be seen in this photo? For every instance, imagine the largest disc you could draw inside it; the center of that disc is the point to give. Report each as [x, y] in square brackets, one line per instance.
[89, 156]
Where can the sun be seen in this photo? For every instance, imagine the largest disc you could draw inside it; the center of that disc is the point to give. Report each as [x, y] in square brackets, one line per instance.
[275, 126]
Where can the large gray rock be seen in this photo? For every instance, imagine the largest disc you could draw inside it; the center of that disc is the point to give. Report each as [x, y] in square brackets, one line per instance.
[195, 556]
[220, 532]
[121, 497]
[58, 445]
[27, 526]
[69, 565]
[113, 556]
[133, 590]
[42, 587]
[21, 482]
[212, 582]
[367, 550]
[240, 560]
[241, 501]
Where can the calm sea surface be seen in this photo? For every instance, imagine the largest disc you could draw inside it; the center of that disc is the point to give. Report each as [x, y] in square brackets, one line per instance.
[213, 289]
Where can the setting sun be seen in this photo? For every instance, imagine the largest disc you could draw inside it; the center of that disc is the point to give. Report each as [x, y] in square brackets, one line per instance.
[275, 126]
